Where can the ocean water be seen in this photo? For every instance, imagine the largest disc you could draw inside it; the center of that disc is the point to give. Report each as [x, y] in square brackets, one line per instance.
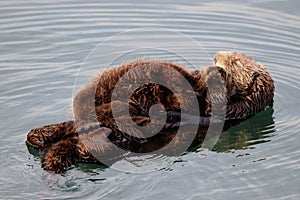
[44, 46]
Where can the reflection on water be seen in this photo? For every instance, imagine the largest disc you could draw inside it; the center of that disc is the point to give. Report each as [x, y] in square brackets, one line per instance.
[43, 45]
[255, 130]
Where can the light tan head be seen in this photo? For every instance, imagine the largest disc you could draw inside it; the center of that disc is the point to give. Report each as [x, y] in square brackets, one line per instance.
[241, 69]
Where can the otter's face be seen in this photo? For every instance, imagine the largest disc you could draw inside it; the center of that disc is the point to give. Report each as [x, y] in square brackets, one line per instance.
[230, 62]
[234, 61]
[224, 59]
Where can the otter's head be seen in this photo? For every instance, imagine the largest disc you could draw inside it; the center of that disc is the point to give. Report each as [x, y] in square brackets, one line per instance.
[231, 61]
[226, 58]
[239, 67]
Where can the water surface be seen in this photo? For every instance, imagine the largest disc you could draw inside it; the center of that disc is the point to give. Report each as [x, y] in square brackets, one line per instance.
[43, 44]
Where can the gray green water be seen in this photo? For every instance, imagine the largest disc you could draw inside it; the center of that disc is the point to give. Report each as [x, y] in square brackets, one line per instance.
[42, 45]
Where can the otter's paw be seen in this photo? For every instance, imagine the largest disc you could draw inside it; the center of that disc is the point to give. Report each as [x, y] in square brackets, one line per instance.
[217, 92]
[60, 156]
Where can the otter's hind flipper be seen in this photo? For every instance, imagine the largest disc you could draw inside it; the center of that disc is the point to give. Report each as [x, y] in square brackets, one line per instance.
[42, 137]
[60, 156]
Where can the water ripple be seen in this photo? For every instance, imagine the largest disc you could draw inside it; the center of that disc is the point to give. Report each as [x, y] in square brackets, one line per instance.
[43, 44]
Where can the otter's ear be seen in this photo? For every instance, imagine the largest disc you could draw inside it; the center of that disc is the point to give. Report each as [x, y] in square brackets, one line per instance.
[60, 156]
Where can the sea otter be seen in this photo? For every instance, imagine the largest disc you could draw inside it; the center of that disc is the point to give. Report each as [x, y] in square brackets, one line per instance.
[237, 79]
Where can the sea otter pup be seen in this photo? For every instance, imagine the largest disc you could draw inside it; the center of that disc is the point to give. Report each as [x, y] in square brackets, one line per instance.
[246, 87]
